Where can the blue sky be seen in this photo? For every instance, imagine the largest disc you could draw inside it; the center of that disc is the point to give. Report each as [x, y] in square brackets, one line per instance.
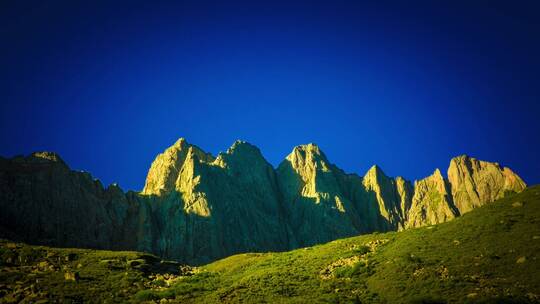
[406, 86]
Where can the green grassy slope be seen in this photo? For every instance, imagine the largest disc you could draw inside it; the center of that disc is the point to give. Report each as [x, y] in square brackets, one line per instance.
[488, 255]
[38, 274]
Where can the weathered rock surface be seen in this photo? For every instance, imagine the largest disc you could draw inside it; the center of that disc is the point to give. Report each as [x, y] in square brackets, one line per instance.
[388, 200]
[475, 182]
[165, 169]
[312, 191]
[432, 202]
[216, 207]
[196, 207]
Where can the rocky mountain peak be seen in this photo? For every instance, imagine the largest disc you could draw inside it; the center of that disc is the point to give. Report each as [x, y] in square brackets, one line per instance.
[374, 170]
[475, 182]
[180, 143]
[308, 156]
[308, 149]
[437, 176]
[388, 197]
[44, 157]
[51, 156]
[166, 167]
[375, 175]
[241, 156]
[243, 148]
[197, 208]
[432, 202]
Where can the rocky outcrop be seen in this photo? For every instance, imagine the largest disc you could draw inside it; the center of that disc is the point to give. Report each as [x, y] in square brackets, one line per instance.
[475, 182]
[163, 173]
[197, 208]
[432, 202]
[312, 191]
[210, 207]
[387, 200]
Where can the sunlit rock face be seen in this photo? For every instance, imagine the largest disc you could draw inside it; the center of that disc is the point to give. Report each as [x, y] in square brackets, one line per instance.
[197, 208]
[325, 203]
[165, 169]
[471, 183]
[475, 182]
[387, 200]
[313, 194]
[432, 202]
[208, 207]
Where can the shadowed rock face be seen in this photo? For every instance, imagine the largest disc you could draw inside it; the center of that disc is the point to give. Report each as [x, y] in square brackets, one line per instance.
[43, 201]
[197, 208]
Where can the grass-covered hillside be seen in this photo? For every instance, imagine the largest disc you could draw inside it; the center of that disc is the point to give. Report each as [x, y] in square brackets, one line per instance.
[490, 255]
[37, 274]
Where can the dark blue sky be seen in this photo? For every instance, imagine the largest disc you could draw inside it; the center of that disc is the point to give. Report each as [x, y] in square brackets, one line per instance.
[406, 85]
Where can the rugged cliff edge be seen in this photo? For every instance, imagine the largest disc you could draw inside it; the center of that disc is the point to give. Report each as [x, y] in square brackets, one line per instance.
[197, 208]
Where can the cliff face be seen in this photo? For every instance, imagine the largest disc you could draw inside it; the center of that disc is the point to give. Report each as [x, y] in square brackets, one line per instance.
[210, 207]
[475, 182]
[163, 173]
[312, 193]
[197, 208]
[432, 202]
[387, 199]
[43, 200]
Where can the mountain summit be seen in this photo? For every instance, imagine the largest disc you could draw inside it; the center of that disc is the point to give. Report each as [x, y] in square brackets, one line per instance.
[197, 208]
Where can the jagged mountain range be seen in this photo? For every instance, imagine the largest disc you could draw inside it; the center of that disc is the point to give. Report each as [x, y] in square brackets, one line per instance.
[197, 208]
